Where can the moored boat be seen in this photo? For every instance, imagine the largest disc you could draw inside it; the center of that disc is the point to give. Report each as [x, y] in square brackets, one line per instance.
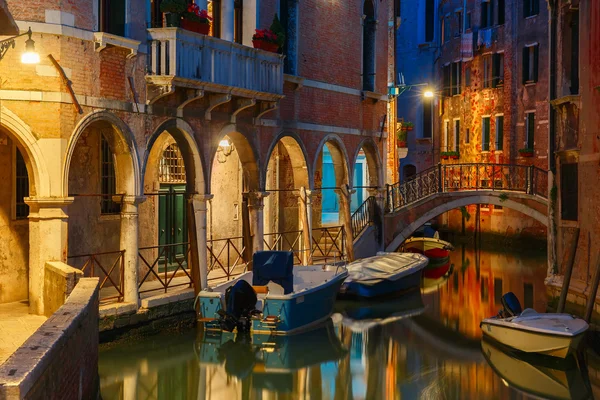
[534, 374]
[383, 274]
[528, 331]
[433, 248]
[274, 298]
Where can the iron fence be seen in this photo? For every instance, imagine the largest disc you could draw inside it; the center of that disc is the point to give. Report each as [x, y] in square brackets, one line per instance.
[328, 244]
[168, 262]
[364, 216]
[94, 265]
[471, 176]
[285, 241]
[225, 258]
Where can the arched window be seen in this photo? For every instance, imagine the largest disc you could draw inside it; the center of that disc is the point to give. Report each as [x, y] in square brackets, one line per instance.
[171, 168]
[369, 24]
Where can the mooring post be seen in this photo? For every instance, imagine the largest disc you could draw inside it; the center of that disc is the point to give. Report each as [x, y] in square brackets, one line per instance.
[567, 278]
[592, 299]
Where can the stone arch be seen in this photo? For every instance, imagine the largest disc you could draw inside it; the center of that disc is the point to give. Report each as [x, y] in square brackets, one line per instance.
[339, 157]
[303, 175]
[183, 134]
[374, 162]
[461, 202]
[39, 181]
[123, 146]
[247, 154]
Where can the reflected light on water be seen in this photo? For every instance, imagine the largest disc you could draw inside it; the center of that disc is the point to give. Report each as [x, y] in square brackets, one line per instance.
[418, 346]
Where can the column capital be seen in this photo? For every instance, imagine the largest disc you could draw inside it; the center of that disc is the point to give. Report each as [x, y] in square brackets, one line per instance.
[377, 192]
[200, 197]
[48, 207]
[345, 191]
[256, 199]
[129, 199]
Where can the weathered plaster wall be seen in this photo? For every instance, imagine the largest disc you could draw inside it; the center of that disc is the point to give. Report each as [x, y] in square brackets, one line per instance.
[89, 230]
[226, 186]
[14, 234]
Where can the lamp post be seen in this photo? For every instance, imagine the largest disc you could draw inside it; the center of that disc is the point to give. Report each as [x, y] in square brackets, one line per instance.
[30, 56]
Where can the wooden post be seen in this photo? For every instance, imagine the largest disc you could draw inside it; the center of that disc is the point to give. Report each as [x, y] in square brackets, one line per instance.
[567, 278]
[592, 299]
[193, 243]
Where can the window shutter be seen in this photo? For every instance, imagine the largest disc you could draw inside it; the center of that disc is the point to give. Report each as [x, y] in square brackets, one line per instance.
[525, 64]
[530, 129]
[495, 70]
[491, 14]
[499, 132]
[536, 7]
[536, 49]
[526, 8]
[485, 134]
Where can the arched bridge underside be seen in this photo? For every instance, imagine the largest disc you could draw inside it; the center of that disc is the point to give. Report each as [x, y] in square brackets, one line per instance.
[402, 223]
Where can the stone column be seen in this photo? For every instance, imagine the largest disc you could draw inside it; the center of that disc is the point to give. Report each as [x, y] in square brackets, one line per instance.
[345, 195]
[256, 205]
[227, 20]
[48, 237]
[200, 208]
[250, 15]
[305, 218]
[129, 243]
[130, 382]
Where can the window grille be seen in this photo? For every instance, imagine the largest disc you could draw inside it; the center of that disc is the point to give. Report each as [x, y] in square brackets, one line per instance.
[172, 167]
[108, 181]
[22, 187]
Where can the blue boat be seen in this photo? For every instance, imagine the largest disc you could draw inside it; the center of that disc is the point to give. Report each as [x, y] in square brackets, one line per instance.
[384, 274]
[274, 298]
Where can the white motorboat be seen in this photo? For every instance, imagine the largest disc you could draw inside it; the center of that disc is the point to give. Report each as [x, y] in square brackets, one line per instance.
[554, 335]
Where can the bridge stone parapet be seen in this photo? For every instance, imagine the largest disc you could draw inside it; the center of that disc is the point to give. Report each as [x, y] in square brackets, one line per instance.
[404, 221]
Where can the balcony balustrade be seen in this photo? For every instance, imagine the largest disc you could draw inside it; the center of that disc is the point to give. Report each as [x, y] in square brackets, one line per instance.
[180, 58]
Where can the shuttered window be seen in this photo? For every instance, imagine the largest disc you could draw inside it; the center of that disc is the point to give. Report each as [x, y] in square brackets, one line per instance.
[499, 132]
[530, 133]
[108, 181]
[485, 134]
[530, 64]
[569, 192]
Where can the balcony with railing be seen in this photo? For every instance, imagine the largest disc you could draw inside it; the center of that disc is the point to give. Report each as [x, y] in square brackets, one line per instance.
[189, 60]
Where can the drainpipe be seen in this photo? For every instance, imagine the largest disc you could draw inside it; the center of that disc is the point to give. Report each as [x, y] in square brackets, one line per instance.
[552, 234]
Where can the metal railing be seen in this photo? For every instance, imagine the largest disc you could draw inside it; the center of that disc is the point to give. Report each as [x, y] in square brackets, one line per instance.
[173, 258]
[364, 216]
[473, 176]
[328, 244]
[94, 266]
[179, 53]
[285, 241]
[225, 258]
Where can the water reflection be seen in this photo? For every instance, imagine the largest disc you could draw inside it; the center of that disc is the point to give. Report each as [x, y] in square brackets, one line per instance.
[418, 346]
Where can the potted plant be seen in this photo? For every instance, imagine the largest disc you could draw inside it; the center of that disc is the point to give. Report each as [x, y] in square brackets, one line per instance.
[172, 10]
[278, 30]
[196, 20]
[445, 155]
[526, 152]
[400, 138]
[454, 155]
[409, 125]
[265, 39]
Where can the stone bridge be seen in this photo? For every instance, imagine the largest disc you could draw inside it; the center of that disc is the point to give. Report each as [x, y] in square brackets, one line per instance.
[446, 187]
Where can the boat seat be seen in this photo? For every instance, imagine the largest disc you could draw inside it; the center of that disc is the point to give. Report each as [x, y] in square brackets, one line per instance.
[273, 266]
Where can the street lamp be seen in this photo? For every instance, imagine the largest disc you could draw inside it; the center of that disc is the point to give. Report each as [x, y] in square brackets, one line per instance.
[29, 57]
[428, 93]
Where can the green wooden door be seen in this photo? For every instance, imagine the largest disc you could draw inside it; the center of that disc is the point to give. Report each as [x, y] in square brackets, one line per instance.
[172, 223]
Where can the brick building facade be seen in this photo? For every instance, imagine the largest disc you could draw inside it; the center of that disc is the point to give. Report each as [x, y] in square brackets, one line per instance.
[492, 100]
[125, 122]
[575, 98]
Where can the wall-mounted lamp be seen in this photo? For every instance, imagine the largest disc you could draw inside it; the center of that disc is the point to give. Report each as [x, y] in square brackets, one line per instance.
[428, 93]
[29, 57]
[224, 150]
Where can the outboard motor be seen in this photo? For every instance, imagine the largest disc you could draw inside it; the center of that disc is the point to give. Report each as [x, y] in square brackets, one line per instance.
[510, 306]
[240, 302]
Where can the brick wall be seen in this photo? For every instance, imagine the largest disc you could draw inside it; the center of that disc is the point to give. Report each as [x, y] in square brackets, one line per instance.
[60, 360]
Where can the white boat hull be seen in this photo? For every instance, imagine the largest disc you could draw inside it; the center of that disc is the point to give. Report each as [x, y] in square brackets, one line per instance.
[532, 342]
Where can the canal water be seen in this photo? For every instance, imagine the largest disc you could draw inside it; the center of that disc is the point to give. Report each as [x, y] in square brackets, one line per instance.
[423, 345]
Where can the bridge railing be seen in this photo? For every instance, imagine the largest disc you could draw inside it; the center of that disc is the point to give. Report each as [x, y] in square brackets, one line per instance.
[463, 177]
[363, 216]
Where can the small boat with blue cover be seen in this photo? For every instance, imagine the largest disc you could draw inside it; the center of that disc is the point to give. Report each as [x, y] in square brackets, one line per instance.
[274, 298]
[383, 274]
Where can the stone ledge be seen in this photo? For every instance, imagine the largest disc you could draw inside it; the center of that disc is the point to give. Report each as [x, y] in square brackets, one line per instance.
[116, 309]
[29, 363]
[62, 269]
[167, 298]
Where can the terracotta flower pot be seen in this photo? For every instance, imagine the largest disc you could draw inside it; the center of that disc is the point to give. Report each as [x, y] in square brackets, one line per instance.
[401, 143]
[194, 26]
[454, 157]
[266, 46]
[527, 154]
[444, 157]
[409, 128]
